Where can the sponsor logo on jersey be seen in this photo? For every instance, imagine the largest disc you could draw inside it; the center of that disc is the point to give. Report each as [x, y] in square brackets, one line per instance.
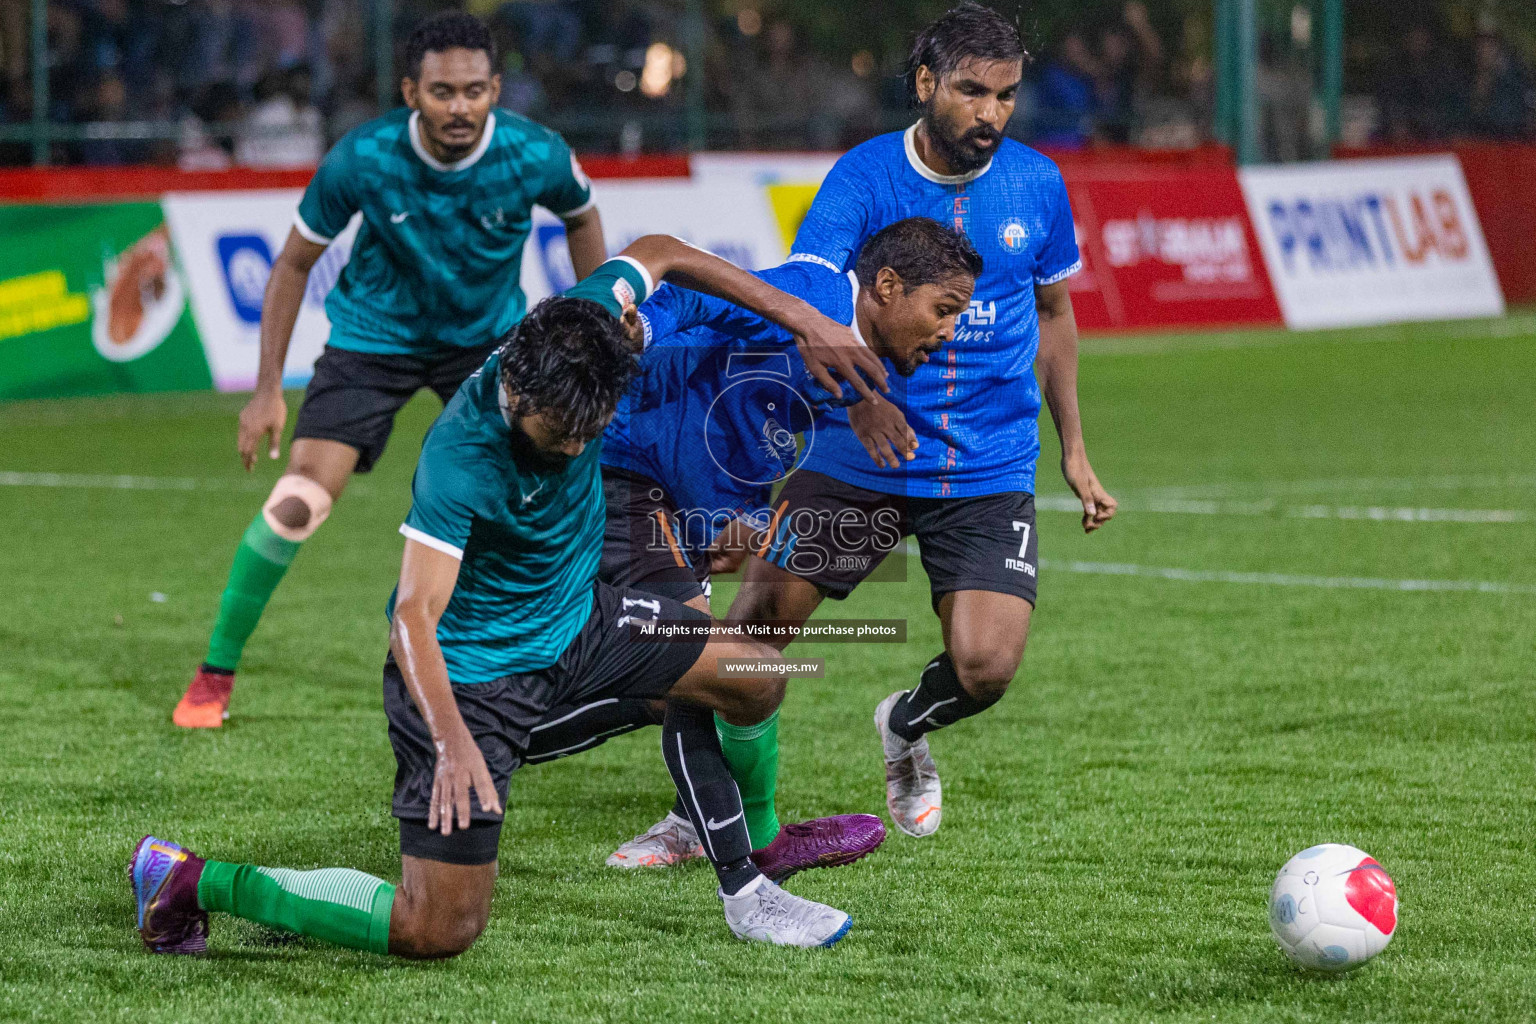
[624, 292]
[1013, 235]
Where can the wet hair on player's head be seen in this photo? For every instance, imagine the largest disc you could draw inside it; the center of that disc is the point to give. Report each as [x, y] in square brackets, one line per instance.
[568, 359]
[920, 250]
[970, 31]
[450, 30]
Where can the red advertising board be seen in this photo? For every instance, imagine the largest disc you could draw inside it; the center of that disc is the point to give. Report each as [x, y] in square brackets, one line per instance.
[1165, 248]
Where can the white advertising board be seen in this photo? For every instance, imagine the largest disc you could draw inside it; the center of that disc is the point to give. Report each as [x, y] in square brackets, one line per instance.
[226, 242]
[1372, 241]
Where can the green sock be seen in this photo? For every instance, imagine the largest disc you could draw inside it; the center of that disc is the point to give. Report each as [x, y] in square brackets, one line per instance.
[260, 561]
[337, 905]
[752, 754]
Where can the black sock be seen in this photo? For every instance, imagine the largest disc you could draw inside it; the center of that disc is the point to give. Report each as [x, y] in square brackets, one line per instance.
[937, 700]
[709, 794]
[572, 728]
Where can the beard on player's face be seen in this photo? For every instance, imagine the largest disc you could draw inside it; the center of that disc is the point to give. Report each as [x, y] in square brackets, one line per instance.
[964, 147]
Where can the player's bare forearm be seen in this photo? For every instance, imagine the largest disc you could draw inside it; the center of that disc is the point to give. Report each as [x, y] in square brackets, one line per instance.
[824, 344]
[1056, 369]
[280, 307]
[1056, 365]
[427, 579]
[672, 259]
[584, 239]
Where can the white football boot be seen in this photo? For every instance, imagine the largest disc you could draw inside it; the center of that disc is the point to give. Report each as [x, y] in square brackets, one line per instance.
[762, 912]
[912, 790]
[670, 841]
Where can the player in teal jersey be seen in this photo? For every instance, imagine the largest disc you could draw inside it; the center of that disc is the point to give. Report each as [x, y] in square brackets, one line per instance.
[499, 617]
[446, 189]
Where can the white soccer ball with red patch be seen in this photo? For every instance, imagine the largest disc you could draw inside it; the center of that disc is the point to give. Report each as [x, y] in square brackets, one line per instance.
[1332, 908]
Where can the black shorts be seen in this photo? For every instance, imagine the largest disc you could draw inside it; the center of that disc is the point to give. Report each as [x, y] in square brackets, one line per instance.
[603, 662]
[836, 535]
[353, 396]
[641, 544]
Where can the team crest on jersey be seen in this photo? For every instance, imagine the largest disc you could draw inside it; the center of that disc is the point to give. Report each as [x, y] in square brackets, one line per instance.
[1012, 235]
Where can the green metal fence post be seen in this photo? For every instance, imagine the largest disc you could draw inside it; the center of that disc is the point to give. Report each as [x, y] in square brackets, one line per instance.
[1333, 68]
[1247, 48]
[1224, 64]
[40, 101]
[386, 89]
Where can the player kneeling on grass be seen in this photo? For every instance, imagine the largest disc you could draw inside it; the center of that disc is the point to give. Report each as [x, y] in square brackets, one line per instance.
[497, 618]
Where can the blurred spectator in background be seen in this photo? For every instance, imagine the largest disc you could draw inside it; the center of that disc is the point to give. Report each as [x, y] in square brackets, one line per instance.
[284, 129]
[1065, 98]
[1422, 96]
[201, 149]
[1129, 72]
[1501, 102]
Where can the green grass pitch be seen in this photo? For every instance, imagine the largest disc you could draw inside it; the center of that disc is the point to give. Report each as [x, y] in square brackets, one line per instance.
[1111, 828]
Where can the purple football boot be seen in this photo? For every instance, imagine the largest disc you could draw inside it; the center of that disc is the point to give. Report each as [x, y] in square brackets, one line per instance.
[164, 877]
[819, 843]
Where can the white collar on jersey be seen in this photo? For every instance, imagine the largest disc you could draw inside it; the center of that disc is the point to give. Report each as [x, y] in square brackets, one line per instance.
[853, 279]
[463, 162]
[910, 139]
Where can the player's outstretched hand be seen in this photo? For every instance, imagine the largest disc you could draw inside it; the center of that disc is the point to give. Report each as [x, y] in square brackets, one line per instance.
[1098, 507]
[884, 431]
[460, 768]
[263, 417]
[828, 346]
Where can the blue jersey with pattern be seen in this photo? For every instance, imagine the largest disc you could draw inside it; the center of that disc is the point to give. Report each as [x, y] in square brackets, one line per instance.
[974, 406]
[438, 258]
[721, 397]
[527, 533]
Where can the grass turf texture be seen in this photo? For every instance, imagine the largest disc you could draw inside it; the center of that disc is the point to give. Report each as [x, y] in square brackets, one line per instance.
[1112, 827]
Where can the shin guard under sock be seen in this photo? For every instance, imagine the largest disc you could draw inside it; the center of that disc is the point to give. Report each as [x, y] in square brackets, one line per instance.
[336, 905]
[692, 752]
[260, 562]
[937, 700]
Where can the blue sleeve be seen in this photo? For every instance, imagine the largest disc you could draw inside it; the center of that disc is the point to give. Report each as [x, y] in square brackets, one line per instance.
[442, 504]
[1058, 258]
[673, 310]
[331, 198]
[838, 221]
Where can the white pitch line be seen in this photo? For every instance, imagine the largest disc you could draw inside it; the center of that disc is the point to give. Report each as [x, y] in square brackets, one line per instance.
[99, 481]
[1449, 482]
[1270, 507]
[1276, 579]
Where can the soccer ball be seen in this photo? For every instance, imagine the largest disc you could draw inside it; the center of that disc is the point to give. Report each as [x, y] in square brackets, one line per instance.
[1332, 908]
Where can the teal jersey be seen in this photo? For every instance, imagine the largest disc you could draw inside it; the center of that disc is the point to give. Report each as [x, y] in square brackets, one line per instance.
[527, 532]
[438, 259]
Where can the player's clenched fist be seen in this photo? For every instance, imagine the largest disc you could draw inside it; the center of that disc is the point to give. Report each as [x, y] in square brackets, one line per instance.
[264, 416]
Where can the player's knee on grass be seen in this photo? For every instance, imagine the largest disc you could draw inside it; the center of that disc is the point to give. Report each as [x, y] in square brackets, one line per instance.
[440, 909]
[296, 507]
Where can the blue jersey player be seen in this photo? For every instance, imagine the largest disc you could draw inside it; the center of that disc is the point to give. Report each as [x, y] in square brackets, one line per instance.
[695, 448]
[446, 189]
[968, 494]
[498, 618]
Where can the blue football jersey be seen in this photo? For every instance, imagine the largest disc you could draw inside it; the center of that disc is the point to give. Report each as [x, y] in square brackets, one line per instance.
[974, 406]
[721, 398]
